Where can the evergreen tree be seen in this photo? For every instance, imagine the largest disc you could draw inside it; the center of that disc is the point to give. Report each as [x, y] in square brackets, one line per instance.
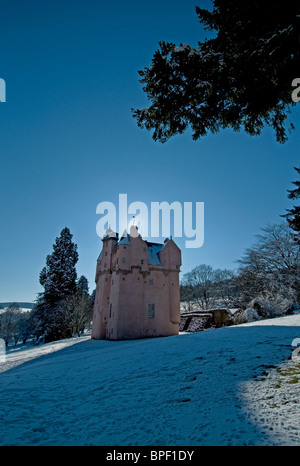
[241, 78]
[59, 276]
[83, 285]
[293, 215]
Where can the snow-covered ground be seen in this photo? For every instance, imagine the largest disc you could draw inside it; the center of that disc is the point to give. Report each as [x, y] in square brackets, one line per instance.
[229, 386]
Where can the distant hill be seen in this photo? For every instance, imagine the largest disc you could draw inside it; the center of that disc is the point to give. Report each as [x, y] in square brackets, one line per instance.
[20, 304]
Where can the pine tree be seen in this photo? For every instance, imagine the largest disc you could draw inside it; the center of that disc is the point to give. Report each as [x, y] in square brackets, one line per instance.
[293, 215]
[59, 276]
[83, 285]
[241, 78]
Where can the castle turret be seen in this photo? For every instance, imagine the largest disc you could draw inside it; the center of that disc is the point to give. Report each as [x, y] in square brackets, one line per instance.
[103, 285]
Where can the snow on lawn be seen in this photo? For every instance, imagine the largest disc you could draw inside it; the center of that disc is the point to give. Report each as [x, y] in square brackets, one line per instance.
[18, 354]
[218, 387]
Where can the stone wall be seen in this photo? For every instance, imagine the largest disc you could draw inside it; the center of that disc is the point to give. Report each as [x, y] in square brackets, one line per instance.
[195, 323]
[214, 318]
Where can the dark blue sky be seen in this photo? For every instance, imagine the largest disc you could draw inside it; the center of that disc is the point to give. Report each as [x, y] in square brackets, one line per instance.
[68, 140]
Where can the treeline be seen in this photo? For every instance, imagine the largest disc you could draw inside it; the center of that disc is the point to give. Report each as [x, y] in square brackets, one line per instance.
[267, 279]
[14, 324]
[62, 310]
[18, 304]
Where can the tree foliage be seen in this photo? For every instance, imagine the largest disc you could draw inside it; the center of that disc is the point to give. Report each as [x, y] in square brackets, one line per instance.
[14, 325]
[76, 312]
[59, 275]
[82, 285]
[267, 280]
[293, 215]
[272, 266]
[58, 278]
[207, 287]
[240, 78]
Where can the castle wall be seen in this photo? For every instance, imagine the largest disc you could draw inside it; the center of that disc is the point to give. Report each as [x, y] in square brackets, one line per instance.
[171, 259]
[127, 297]
[101, 307]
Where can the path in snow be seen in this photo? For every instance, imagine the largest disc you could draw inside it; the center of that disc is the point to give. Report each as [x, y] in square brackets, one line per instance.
[206, 388]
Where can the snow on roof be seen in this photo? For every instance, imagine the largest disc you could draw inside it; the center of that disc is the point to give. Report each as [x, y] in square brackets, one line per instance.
[109, 233]
[125, 240]
[153, 251]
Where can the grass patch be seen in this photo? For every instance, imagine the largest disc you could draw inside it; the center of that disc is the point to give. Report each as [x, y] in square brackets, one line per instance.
[290, 375]
[293, 380]
[293, 370]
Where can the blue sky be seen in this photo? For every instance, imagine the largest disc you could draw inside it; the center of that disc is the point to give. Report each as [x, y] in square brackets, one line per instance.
[68, 139]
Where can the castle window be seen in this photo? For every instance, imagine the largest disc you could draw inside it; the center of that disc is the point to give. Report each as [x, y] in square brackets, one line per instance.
[151, 281]
[124, 260]
[124, 247]
[106, 253]
[110, 310]
[144, 249]
[123, 279]
[117, 261]
[151, 310]
[142, 261]
[105, 265]
[106, 279]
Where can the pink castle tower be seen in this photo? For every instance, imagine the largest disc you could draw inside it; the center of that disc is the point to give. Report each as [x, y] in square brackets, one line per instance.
[137, 288]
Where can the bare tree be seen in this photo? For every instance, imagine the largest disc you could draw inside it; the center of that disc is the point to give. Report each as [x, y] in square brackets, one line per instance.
[199, 280]
[9, 324]
[76, 310]
[207, 287]
[225, 286]
[272, 265]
